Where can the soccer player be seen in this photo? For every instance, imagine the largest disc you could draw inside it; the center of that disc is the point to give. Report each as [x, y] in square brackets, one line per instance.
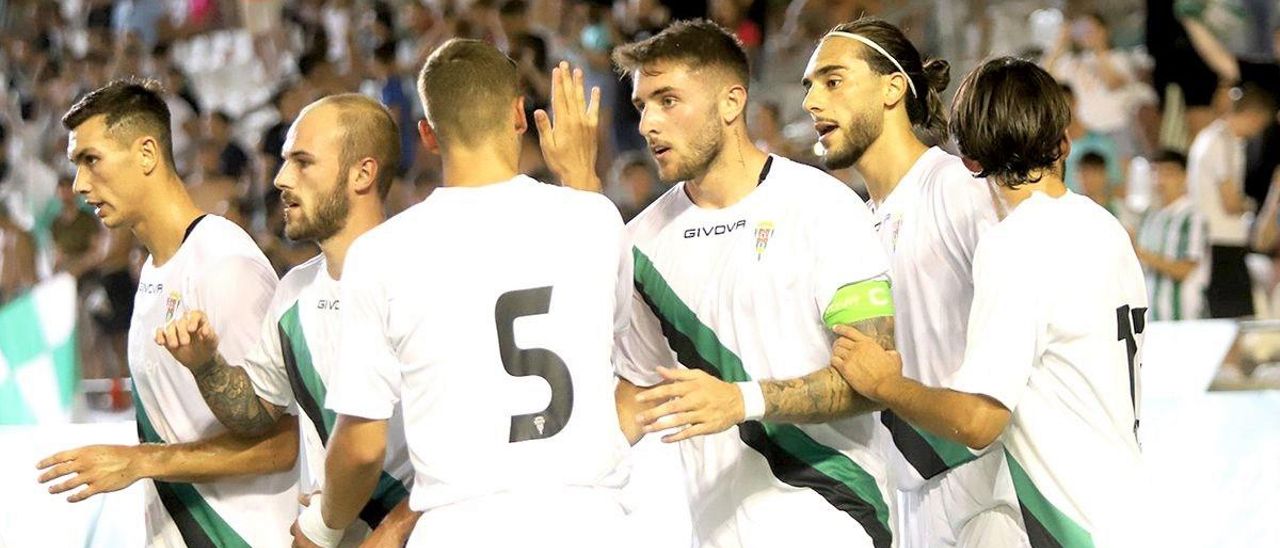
[340, 158]
[121, 147]
[1171, 244]
[741, 268]
[1051, 365]
[870, 93]
[488, 312]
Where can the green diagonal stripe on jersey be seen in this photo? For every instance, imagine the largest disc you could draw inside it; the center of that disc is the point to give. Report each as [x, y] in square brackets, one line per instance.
[302, 370]
[795, 458]
[1047, 527]
[928, 454]
[197, 522]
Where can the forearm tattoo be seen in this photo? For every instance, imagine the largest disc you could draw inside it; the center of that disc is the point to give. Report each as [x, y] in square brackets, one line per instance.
[823, 396]
[229, 393]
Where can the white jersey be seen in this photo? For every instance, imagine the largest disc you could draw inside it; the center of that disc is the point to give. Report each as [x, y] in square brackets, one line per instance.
[740, 293]
[293, 364]
[220, 271]
[489, 314]
[930, 225]
[1055, 336]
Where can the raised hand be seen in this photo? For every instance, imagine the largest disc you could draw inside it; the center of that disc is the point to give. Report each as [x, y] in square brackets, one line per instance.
[568, 136]
[190, 339]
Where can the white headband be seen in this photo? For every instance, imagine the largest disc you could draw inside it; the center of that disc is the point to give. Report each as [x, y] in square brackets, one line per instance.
[871, 44]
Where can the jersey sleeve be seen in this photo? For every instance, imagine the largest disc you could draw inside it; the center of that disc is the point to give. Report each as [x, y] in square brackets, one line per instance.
[235, 294]
[368, 378]
[264, 364]
[850, 272]
[1004, 327]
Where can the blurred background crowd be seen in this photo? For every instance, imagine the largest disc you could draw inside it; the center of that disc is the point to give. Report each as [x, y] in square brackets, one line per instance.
[1175, 128]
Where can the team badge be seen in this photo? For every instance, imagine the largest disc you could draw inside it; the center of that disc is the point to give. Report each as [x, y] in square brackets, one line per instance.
[763, 231]
[171, 304]
[540, 423]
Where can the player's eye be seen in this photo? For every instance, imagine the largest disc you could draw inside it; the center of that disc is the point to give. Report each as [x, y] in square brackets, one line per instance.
[832, 83]
[668, 102]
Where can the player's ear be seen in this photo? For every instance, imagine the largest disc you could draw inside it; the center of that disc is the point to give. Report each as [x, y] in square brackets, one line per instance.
[428, 137]
[521, 121]
[733, 103]
[364, 176]
[896, 89]
[148, 152]
[972, 165]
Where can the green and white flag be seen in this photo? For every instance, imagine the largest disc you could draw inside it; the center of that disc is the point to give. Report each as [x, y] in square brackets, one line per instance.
[39, 366]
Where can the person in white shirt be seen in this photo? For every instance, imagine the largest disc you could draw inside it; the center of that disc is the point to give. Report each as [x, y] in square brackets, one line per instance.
[1215, 179]
[1101, 77]
[1052, 365]
[488, 313]
[210, 487]
[741, 270]
[870, 94]
[339, 163]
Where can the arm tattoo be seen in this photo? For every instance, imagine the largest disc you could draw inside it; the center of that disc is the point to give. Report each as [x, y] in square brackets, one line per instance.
[824, 396]
[229, 394]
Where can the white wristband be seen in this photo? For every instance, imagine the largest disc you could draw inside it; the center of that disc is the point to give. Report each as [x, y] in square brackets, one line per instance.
[311, 523]
[752, 400]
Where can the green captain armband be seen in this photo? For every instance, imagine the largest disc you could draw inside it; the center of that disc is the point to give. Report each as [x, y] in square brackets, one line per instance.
[859, 301]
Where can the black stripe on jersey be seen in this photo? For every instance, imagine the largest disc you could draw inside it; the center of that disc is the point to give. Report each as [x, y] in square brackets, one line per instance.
[785, 466]
[797, 473]
[686, 352]
[919, 454]
[1036, 532]
[192, 533]
[300, 393]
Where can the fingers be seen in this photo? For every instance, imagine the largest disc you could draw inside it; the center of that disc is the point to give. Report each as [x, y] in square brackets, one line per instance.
[58, 471]
[664, 392]
[85, 493]
[674, 420]
[75, 481]
[852, 334]
[579, 85]
[679, 374]
[690, 432]
[559, 105]
[546, 138]
[59, 457]
[652, 419]
[593, 109]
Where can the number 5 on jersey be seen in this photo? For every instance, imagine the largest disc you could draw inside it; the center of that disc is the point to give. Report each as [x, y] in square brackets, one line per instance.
[540, 362]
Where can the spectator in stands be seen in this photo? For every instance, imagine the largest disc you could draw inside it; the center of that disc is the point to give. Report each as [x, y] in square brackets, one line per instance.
[1093, 173]
[288, 102]
[17, 258]
[1085, 141]
[1215, 172]
[231, 159]
[632, 184]
[1171, 244]
[766, 129]
[391, 93]
[183, 117]
[732, 15]
[76, 234]
[1100, 77]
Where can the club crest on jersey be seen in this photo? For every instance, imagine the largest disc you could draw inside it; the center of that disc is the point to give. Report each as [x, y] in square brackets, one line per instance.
[763, 231]
[171, 305]
[540, 422]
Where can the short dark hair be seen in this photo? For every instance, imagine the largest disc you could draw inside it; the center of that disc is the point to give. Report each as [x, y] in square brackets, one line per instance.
[369, 131]
[310, 61]
[467, 87]
[514, 7]
[698, 43]
[1093, 159]
[1010, 116]
[930, 77]
[1170, 156]
[385, 52]
[1251, 97]
[132, 107]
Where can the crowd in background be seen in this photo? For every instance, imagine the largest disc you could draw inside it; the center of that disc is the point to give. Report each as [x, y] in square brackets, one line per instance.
[1174, 128]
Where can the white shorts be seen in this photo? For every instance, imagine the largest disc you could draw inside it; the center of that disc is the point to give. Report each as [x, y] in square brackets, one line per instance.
[965, 508]
[568, 518]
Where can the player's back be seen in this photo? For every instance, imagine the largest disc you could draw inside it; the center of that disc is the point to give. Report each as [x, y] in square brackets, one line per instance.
[1075, 458]
[501, 303]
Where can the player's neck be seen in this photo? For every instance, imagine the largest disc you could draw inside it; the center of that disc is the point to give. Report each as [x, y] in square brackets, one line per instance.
[359, 220]
[163, 223]
[733, 174]
[1050, 183]
[480, 166]
[888, 160]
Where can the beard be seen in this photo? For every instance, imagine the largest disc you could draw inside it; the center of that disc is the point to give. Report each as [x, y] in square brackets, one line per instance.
[704, 147]
[862, 130]
[329, 217]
